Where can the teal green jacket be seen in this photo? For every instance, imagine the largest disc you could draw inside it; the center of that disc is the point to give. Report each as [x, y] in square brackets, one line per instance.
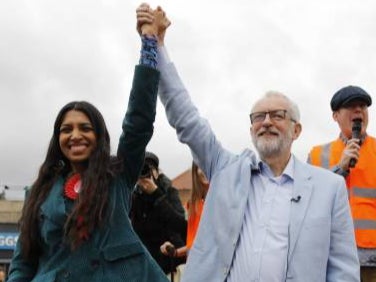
[114, 252]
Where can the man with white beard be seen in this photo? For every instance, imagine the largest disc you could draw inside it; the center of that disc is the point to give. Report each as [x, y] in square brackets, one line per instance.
[272, 218]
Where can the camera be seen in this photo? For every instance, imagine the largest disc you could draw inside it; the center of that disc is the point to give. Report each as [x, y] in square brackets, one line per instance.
[146, 171]
[151, 162]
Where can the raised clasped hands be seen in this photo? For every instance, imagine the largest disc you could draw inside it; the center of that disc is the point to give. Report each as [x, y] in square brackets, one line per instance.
[152, 22]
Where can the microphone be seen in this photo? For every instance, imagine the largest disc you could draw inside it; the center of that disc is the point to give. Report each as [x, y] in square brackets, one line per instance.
[296, 199]
[356, 130]
[171, 251]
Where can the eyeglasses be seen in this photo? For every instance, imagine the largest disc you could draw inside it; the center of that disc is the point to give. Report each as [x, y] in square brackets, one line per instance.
[276, 115]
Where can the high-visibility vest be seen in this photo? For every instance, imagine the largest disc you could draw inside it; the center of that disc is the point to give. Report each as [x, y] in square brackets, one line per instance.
[361, 185]
[193, 222]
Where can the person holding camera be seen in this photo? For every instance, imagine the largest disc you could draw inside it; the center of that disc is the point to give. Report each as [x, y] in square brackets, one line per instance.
[157, 213]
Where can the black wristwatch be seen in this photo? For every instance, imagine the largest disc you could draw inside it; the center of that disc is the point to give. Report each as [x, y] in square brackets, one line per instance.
[337, 169]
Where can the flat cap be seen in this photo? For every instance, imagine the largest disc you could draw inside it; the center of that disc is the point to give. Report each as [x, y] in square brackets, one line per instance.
[152, 159]
[347, 94]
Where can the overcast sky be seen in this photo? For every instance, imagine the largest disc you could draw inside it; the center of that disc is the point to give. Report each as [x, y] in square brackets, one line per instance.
[228, 53]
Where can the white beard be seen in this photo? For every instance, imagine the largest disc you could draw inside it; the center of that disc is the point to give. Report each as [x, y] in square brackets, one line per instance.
[272, 147]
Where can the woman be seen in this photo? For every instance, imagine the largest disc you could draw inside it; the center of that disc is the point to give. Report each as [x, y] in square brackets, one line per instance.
[200, 186]
[74, 225]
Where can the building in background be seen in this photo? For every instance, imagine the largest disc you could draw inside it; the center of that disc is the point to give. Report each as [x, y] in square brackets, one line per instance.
[11, 203]
[183, 182]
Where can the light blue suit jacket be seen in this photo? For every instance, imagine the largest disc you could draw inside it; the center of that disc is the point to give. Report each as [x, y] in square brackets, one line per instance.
[321, 238]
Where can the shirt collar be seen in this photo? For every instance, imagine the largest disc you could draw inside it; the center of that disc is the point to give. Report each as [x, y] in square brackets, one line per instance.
[264, 169]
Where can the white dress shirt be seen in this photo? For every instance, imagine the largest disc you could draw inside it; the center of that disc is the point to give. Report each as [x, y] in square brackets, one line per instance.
[262, 248]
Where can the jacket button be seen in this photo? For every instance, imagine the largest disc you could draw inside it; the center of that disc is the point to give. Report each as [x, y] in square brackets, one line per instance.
[66, 274]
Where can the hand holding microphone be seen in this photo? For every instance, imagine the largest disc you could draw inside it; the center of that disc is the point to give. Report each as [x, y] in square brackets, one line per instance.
[350, 154]
[356, 134]
[168, 249]
[171, 250]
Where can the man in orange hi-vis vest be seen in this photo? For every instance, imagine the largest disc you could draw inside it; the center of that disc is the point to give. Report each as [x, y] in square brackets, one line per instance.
[353, 155]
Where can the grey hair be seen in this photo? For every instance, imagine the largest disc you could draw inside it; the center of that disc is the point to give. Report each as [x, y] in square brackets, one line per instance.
[293, 107]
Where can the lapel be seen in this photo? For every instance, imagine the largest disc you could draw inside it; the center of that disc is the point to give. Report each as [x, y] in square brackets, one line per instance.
[54, 207]
[302, 187]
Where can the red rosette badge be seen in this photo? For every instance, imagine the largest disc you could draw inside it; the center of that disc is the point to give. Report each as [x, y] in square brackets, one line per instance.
[72, 186]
